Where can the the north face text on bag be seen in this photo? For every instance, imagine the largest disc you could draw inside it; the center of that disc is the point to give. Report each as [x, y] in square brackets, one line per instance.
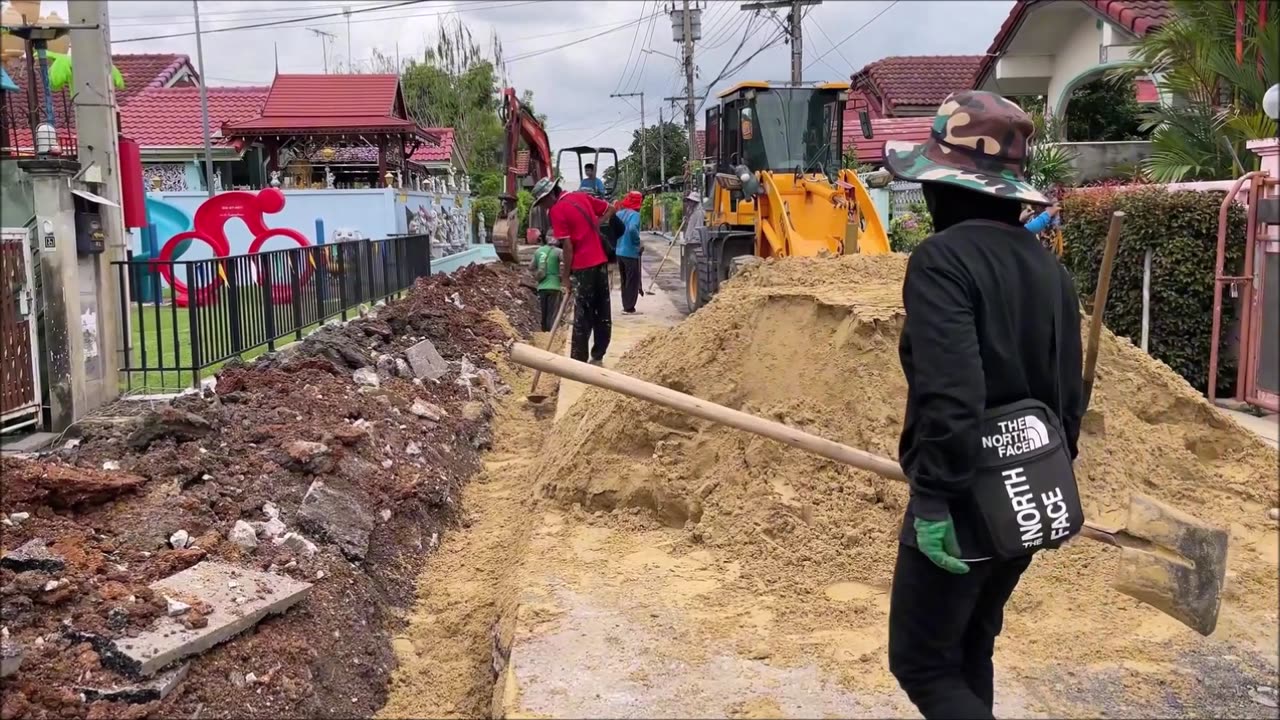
[1025, 434]
[1030, 515]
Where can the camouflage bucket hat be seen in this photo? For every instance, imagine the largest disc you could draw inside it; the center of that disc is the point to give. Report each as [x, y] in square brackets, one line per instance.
[979, 142]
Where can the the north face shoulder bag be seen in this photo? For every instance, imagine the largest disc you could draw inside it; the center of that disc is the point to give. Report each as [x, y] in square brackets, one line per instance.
[1024, 486]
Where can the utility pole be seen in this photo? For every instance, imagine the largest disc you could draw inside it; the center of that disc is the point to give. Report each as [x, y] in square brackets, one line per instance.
[644, 155]
[662, 151]
[204, 104]
[794, 29]
[690, 121]
[350, 66]
[325, 39]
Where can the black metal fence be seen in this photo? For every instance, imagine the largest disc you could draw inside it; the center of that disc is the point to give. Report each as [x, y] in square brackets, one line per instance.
[185, 317]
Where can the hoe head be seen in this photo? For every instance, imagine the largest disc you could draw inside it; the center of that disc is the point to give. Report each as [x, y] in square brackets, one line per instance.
[1173, 562]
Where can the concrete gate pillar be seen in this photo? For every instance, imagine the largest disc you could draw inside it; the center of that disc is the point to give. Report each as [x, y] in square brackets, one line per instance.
[63, 342]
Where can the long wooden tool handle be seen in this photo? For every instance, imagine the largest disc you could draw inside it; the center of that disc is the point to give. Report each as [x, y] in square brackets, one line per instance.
[542, 360]
[551, 338]
[1100, 302]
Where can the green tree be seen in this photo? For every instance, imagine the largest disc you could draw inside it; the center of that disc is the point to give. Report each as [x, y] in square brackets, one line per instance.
[668, 137]
[454, 85]
[1210, 105]
[1104, 110]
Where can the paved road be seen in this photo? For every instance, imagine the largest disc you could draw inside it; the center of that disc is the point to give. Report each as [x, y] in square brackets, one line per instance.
[655, 246]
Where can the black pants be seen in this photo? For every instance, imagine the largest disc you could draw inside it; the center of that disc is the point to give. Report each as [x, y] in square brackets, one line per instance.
[942, 632]
[591, 313]
[549, 304]
[629, 269]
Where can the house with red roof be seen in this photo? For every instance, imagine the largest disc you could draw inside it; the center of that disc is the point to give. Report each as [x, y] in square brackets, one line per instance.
[1050, 48]
[898, 96]
[160, 109]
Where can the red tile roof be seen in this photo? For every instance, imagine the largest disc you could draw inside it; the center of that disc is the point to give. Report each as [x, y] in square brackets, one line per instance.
[442, 152]
[918, 79]
[911, 129]
[170, 117]
[147, 71]
[1137, 16]
[141, 72]
[302, 103]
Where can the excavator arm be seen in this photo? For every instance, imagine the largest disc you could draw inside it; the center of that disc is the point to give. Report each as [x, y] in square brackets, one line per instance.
[518, 124]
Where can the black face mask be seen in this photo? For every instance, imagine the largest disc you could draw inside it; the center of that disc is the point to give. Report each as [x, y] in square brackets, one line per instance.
[949, 205]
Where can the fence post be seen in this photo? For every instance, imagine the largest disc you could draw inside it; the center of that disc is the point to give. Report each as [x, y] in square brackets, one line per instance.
[343, 277]
[295, 284]
[233, 302]
[193, 324]
[268, 303]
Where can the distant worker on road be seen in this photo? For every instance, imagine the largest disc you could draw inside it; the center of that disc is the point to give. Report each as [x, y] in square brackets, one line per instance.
[630, 249]
[991, 352]
[591, 183]
[584, 267]
[693, 213]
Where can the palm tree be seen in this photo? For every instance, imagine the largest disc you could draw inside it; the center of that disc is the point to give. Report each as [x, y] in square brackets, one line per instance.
[60, 72]
[1210, 105]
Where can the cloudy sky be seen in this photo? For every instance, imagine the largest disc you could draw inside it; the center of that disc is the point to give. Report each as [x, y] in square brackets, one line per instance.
[571, 84]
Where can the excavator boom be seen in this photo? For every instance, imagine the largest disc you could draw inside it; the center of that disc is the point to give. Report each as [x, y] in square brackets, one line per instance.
[518, 124]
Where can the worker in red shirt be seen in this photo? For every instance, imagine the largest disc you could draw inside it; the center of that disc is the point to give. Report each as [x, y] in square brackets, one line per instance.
[584, 267]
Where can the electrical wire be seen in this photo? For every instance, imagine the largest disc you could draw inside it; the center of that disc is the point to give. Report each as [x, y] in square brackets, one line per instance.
[848, 37]
[219, 15]
[824, 62]
[644, 64]
[544, 51]
[630, 52]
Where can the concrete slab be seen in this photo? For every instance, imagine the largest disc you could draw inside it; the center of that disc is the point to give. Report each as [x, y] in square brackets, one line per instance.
[157, 688]
[657, 311]
[240, 598]
[425, 361]
[10, 657]
[29, 443]
[1266, 427]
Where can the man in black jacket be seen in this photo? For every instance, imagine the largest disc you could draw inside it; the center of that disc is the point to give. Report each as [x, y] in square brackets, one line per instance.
[980, 332]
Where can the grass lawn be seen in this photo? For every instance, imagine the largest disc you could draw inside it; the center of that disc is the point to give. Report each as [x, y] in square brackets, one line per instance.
[165, 333]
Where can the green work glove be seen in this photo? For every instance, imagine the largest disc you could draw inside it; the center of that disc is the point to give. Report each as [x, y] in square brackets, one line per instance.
[937, 540]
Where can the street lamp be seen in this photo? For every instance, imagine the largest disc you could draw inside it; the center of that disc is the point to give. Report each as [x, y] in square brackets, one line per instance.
[1271, 102]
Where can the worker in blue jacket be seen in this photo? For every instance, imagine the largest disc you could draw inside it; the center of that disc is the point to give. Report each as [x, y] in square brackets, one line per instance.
[629, 249]
[1043, 221]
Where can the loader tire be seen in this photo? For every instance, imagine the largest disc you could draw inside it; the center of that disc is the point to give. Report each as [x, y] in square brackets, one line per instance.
[700, 281]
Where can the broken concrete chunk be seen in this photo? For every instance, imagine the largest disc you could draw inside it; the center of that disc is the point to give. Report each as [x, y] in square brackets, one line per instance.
[176, 607]
[426, 361]
[270, 510]
[385, 514]
[272, 528]
[170, 641]
[413, 448]
[169, 422]
[297, 543]
[309, 457]
[110, 465]
[243, 534]
[403, 370]
[18, 518]
[157, 688]
[426, 410]
[339, 515]
[10, 657]
[34, 554]
[367, 377]
[179, 540]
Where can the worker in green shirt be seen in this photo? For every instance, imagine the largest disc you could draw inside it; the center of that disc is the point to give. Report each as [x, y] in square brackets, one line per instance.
[545, 266]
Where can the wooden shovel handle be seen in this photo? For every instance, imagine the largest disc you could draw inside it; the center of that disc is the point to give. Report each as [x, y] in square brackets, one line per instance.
[1100, 302]
[551, 338]
[564, 367]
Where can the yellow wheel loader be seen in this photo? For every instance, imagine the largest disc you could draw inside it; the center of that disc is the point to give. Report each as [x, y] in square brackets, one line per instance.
[776, 186]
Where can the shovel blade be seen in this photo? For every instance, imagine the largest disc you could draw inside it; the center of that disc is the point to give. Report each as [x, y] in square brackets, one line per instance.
[1181, 567]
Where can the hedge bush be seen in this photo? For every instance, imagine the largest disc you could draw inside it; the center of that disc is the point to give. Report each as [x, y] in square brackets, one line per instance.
[1182, 229]
[909, 229]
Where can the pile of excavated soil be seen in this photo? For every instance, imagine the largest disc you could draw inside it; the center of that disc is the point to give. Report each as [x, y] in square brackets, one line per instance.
[400, 452]
[813, 344]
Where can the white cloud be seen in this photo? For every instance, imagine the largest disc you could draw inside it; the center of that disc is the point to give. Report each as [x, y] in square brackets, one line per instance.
[571, 85]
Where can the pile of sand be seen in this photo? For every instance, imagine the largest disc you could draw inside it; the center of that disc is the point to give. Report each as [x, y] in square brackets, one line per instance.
[813, 343]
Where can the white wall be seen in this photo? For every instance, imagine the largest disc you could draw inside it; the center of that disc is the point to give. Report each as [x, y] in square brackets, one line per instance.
[1080, 51]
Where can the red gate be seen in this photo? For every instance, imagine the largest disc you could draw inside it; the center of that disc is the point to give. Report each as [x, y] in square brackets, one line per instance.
[19, 374]
[1258, 369]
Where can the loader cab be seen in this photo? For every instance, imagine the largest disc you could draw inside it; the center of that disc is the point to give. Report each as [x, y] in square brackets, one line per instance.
[603, 158]
[795, 129]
